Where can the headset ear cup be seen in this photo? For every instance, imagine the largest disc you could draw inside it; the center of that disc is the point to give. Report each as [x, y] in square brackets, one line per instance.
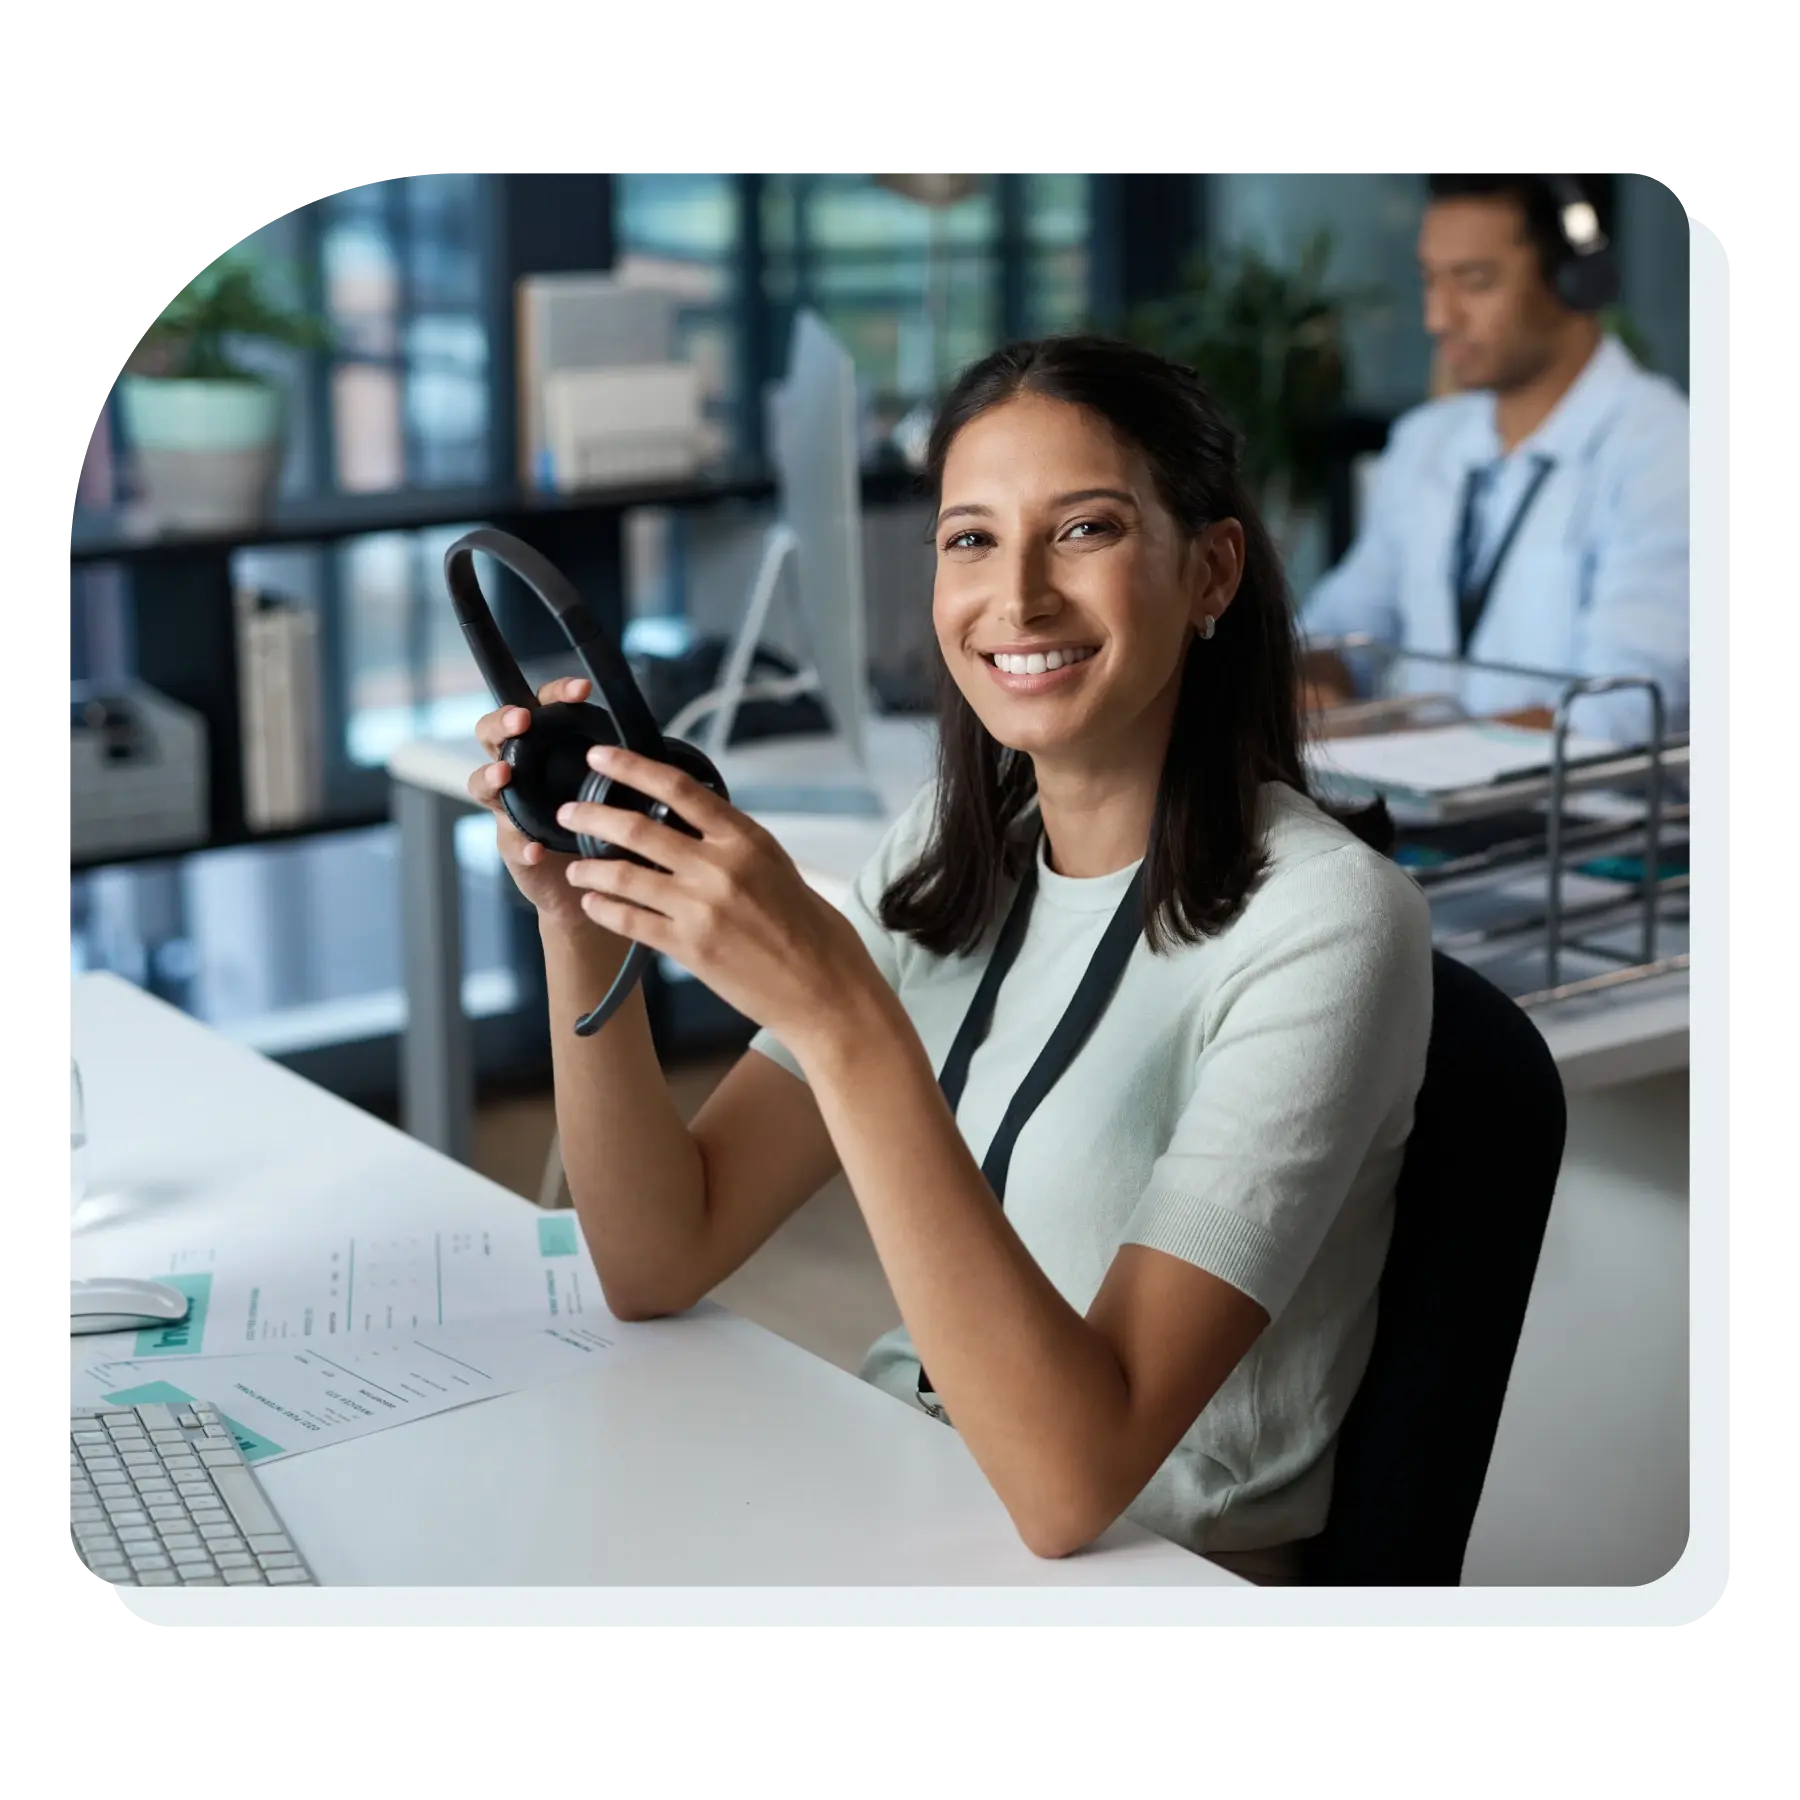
[602, 790]
[695, 762]
[527, 796]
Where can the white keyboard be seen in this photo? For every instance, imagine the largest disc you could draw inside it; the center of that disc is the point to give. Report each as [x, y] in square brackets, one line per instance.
[161, 1496]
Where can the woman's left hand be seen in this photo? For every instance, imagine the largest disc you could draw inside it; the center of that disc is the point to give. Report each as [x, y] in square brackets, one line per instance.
[729, 906]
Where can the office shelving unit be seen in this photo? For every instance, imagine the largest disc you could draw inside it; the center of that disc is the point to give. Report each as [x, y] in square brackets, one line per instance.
[181, 586]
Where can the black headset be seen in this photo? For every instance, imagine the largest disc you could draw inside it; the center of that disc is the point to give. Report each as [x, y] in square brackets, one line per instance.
[1586, 275]
[549, 763]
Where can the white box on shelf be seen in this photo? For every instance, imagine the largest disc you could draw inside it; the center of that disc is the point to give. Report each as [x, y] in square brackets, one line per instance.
[613, 425]
[580, 320]
[137, 772]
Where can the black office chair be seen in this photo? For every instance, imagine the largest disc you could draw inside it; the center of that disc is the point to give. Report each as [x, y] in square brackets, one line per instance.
[1470, 1208]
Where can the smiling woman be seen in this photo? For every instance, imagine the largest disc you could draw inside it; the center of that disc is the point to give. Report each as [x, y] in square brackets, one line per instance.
[1118, 1037]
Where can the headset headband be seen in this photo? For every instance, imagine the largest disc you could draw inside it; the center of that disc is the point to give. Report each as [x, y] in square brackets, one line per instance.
[611, 674]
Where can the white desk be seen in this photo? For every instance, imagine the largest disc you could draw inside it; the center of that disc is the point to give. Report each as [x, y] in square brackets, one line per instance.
[724, 1457]
[1599, 1040]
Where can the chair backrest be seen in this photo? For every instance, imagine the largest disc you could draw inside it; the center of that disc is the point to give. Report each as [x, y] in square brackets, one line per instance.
[1470, 1208]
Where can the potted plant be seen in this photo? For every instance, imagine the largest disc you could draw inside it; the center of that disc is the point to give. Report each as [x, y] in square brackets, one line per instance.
[1268, 343]
[205, 425]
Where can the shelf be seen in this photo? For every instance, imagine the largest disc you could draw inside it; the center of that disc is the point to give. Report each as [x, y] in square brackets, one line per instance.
[106, 539]
[286, 834]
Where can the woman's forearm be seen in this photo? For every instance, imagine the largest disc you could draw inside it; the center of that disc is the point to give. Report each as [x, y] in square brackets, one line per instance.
[1038, 1395]
[634, 1172]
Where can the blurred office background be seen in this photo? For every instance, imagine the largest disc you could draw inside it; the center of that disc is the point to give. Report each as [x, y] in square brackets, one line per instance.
[404, 431]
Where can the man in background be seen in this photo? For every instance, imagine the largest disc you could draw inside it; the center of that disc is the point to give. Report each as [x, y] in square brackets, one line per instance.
[1539, 515]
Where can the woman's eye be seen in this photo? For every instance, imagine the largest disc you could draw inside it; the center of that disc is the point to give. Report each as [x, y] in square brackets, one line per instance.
[964, 540]
[1095, 527]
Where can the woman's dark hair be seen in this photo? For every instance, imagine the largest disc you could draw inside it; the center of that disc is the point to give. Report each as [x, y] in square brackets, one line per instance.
[1237, 713]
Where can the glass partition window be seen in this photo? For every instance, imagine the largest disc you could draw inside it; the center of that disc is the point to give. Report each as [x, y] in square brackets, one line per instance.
[681, 234]
[913, 290]
[401, 272]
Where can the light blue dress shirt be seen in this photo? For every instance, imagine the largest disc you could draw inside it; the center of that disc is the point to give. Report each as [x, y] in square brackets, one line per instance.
[1595, 581]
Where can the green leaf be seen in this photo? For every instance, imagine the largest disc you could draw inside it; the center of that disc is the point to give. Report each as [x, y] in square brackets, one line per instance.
[228, 300]
[1267, 339]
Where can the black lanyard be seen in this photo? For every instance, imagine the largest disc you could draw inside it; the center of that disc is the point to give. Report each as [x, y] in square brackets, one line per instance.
[1472, 595]
[1080, 1016]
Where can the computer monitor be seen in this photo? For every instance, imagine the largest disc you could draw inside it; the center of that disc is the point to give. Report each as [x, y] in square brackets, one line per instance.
[818, 539]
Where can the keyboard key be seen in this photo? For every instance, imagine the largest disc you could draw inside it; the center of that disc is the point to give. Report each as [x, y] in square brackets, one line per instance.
[284, 1577]
[169, 1518]
[191, 1559]
[86, 1515]
[237, 1577]
[204, 1581]
[130, 1515]
[222, 1532]
[112, 1571]
[209, 1515]
[158, 1578]
[239, 1490]
[267, 1541]
[233, 1559]
[182, 1540]
[153, 1416]
[279, 1559]
[137, 1534]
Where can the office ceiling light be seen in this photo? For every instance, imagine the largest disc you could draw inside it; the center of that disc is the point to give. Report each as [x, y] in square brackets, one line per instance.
[931, 190]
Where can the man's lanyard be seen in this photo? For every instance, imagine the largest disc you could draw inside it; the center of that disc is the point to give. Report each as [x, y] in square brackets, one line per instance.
[1472, 595]
[1081, 1015]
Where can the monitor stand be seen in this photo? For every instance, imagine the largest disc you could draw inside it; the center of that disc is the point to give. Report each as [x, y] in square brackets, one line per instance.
[852, 793]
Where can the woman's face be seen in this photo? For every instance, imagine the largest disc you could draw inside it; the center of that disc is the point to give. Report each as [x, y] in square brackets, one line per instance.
[1065, 590]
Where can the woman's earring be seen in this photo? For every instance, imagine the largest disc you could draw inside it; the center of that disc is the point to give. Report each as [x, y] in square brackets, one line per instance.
[1208, 626]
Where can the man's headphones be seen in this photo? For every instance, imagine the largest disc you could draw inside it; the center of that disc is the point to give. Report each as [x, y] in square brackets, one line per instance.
[1586, 275]
[549, 763]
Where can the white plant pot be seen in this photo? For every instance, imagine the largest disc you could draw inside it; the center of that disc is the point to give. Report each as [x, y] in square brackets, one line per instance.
[208, 451]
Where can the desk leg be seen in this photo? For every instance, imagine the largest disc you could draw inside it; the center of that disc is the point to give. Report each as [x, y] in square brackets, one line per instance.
[437, 1064]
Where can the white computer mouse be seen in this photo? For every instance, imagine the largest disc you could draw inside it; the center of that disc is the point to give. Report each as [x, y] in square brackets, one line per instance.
[107, 1304]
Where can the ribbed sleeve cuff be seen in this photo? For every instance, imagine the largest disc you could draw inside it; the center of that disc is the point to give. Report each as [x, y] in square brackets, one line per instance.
[1225, 1244]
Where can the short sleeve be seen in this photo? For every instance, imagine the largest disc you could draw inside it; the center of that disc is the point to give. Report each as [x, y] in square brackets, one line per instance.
[1312, 1059]
[899, 848]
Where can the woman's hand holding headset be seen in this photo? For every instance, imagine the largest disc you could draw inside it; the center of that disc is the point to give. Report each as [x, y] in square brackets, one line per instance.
[729, 906]
[541, 875]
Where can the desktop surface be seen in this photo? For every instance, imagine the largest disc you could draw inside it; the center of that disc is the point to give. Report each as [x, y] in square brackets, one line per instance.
[715, 1455]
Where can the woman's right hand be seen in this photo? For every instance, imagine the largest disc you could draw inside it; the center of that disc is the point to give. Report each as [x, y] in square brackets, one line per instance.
[541, 875]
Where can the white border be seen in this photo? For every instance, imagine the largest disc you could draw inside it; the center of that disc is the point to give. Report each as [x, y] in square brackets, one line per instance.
[1685, 1595]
